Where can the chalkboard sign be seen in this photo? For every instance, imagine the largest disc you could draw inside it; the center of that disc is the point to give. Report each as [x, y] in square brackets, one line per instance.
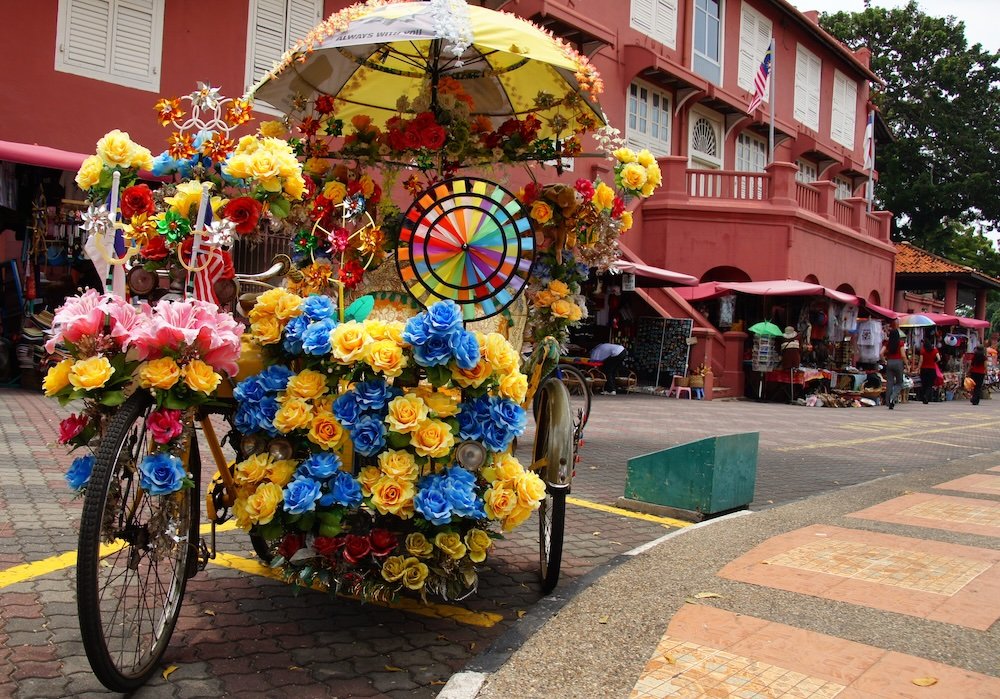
[661, 346]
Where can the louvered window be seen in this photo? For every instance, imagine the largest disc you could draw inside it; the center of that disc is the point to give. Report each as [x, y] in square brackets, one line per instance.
[845, 105]
[755, 37]
[751, 153]
[808, 70]
[648, 124]
[275, 25]
[116, 41]
[705, 142]
[656, 19]
[844, 188]
[808, 172]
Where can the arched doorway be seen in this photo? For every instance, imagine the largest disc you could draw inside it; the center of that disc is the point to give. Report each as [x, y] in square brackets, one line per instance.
[811, 279]
[725, 273]
[875, 298]
[846, 288]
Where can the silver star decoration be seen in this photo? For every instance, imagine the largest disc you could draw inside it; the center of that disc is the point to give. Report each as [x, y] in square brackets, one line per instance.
[205, 97]
[222, 233]
[97, 219]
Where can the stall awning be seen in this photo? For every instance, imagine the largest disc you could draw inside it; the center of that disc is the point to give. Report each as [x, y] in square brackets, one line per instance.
[665, 277]
[42, 156]
[881, 311]
[701, 292]
[942, 318]
[788, 287]
[973, 323]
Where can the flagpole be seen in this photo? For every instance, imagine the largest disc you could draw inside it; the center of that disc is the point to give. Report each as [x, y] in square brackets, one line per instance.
[870, 148]
[770, 99]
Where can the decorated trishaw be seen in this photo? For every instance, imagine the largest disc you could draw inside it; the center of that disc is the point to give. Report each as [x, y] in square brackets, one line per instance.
[370, 385]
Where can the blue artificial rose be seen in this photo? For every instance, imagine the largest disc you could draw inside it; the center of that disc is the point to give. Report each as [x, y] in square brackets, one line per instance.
[444, 318]
[374, 394]
[496, 437]
[469, 424]
[292, 341]
[506, 412]
[266, 410]
[318, 307]
[321, 465]
[247, 418]
[275, 377]
[301, 495]
[344, 490]
[161, 474]
[431, 503]
[316, 338]
[416, 331]
[79, 471]
[346, 409]
[250, 390]
[435, 352]
[460, 492]
[465, 349]
[368, 435]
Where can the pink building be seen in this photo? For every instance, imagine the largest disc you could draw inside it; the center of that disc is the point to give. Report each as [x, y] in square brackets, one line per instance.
[679, 75]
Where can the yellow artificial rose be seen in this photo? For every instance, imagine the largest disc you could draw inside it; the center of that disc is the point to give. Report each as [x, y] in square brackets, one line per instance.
[505, 468]
[238, 165]
[295, 414]
[575, 314]
[498, 352]
[499, 500]
[633, 176]
[385, 356]
[530, 489]
[514, 386]
[517, 516]
[451, 544]
[626, 221]
[393, 568]
[541, 212]
[263, 167]
[367, 186]
[624, 155]
[142, 159]
[159, 373]
[647, 190]
[288, 306]
[418, 545]
[432, 438]
[252, 470]
[392, 496]
[398, 464]
[478, 543]
[645, 158]
[394, 331]
[200, 376]
[261, 506]
[267, 303]
[367, 478]
[375, 328]
[558, 288]
[414, 574]
[115, 149]
[265, 331]
[544, 299]
[406, 412]
[653, 175]
[335, 191]
[57, 377]
[444, 402]
[348, 341]
[316, 167]
[281, 472]
[247, 145]
[90, 172]
[307, 385]
[272, 129]
[474, 377]
[561, 308]
[90, 374]
[326, 431]
[604, 197]
[240, 512]
[295, 186]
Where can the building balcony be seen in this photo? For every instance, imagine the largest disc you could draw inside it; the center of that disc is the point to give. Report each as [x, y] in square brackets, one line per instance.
[778, 188]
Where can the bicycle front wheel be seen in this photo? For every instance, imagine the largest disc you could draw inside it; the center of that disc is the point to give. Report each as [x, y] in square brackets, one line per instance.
[135, 554]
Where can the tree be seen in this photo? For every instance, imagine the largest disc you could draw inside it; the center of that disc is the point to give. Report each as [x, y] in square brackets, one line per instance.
[942, 102]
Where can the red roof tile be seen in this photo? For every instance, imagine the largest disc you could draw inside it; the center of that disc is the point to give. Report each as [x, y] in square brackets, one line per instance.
[912, 260]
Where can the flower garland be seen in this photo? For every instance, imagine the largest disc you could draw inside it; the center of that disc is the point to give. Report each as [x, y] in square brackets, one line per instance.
[371, 420]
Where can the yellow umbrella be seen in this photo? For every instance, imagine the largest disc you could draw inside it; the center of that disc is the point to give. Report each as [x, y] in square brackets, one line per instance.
[369, 56]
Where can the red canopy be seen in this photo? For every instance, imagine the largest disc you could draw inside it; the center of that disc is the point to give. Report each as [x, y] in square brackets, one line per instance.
[881, 311]
[777, 287]
[942, 318]
[661, 275]
[973, 323]
[33, 154]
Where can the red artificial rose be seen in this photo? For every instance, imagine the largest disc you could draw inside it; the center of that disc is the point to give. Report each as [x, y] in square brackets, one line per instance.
[617, 207]
[433, 137]
[411, 139]
[137, 199]
[356, 547]
[244, 212]
[72, 427]
[310, 189]
[290, 544]
[155, 249]
[328, 545]
[423, 120]
[164, 425]
[383, 542]
[324, 104]
[585, 187]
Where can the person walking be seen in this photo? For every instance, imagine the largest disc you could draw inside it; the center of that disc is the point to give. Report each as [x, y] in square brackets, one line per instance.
[893, 354]
[612, 357]
[977, 371]
[929, 358]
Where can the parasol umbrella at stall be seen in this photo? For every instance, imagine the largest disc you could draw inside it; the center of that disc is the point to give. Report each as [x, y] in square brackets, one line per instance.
[368, 57]
[765, 328]
[915, 320]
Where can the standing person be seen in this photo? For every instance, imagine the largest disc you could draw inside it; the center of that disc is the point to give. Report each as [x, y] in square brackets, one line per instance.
[929, 357]
[612, 357]
[977, 371]
[893, 354]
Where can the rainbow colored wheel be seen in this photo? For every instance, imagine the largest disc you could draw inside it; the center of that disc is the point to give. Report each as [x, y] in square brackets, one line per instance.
[468, 240]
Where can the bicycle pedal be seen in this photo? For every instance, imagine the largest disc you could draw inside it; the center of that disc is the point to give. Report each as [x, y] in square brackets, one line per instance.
[203, 555]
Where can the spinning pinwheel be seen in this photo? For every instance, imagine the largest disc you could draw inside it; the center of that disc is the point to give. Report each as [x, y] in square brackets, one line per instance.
[468, 240]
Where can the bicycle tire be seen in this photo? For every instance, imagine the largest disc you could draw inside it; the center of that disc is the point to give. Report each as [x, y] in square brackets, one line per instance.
[551, 533]
[552, 444]
[265, 549]
[117, 566]
[579, 394]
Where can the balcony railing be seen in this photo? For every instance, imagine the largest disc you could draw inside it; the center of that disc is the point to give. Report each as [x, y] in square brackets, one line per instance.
[842, 212]
[727, 184]
[807, 197]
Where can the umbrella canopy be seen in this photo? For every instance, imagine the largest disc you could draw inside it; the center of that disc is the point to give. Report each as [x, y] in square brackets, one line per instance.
[766, 328]
[915, 320]
[507, 65]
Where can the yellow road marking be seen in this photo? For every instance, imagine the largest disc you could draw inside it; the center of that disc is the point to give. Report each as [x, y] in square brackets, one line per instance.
[944, 444]
[884, 437]
[438, 611]
[665, 521]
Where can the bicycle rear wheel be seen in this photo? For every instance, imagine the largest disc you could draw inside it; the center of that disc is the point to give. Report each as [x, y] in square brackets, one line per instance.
[579, 394]
[136, 552]
[554, 449]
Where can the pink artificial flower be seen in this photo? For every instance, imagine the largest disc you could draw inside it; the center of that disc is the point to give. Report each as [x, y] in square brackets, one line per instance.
[164, 424]
[200, 325]
[585, 187]
[126, 321]
[71, 427]
[80, 316]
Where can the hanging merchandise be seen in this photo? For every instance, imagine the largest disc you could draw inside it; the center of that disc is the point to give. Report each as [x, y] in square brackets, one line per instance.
[765, 356]
[727, 308]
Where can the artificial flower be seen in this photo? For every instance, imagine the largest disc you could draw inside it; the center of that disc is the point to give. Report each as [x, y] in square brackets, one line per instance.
[406, 413]
[432, 438]
[89, 173]
[164, 425]
[159, 373]
[90, 374]
[71, 427]
[57, 377]
[244, 212]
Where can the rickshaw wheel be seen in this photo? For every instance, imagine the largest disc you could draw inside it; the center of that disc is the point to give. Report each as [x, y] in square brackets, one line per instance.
[136, 552]
[266, 549]
[554, 435]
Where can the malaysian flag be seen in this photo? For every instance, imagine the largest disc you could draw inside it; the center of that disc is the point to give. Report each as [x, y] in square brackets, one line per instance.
[210, 265]
[870, 141]
[760, 80]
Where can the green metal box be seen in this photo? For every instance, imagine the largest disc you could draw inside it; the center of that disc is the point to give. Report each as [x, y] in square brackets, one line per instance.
[707, 476]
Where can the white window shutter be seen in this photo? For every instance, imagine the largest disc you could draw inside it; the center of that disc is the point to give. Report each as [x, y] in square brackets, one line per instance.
[303, 15]
[133, 44]
[665, 22]
[268, 36]
[850, 109]
[748, 48]
[86, 43]
[801, 84]
[815, 73]
[641, 16]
